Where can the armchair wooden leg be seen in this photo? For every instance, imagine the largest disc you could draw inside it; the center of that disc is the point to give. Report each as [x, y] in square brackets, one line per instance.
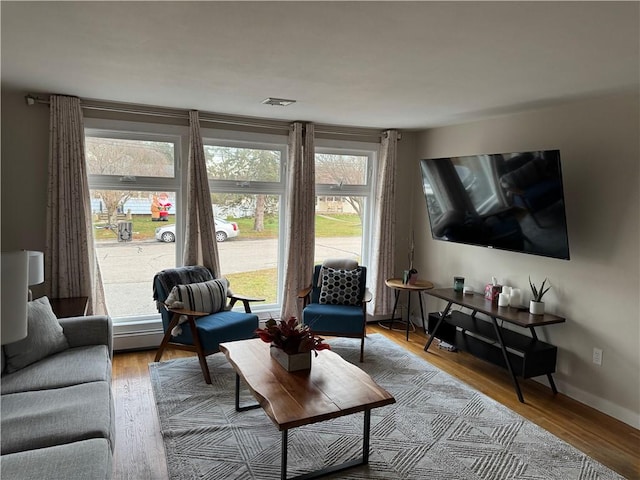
[201, 356]
[167, 338]
[362, 350]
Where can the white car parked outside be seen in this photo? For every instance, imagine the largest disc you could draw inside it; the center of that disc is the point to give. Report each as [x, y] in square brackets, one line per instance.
[224, 230]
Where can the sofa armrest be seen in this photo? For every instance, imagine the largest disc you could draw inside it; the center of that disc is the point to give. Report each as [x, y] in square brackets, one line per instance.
[88, 330]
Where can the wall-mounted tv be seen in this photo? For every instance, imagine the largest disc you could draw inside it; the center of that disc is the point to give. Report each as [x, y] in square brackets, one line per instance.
[508, 201]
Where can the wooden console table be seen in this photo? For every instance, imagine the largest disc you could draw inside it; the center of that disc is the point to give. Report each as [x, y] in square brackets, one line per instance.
[526, 356]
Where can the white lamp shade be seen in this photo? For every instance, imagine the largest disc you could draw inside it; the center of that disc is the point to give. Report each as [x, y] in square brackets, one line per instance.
[36, 267]
[15, 272]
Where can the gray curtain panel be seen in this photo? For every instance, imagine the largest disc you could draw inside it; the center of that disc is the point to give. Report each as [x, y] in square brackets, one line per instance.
[70, 262]
[300, 216]
[200, 247]
[384, 236]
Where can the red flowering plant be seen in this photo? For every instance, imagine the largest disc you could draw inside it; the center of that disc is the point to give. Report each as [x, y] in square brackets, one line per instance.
[291, 336]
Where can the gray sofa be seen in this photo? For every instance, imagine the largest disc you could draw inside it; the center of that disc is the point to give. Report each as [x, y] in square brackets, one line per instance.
[57, 413]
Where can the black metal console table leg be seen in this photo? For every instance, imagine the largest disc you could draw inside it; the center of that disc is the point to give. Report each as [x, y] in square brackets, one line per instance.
[506, 359]
[432, 335]
[552, 384]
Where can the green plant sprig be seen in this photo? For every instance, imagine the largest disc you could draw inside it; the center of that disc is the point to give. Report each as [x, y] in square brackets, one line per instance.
[538, 294]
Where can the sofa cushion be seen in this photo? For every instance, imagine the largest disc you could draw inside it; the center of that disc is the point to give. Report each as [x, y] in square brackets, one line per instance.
[207, 297]
[45, 418]
[89, 459]
[70, 367]
[45, 337]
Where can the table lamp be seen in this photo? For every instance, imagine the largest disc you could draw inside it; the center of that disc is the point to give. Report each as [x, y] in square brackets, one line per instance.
[36, 269]
[15, 273]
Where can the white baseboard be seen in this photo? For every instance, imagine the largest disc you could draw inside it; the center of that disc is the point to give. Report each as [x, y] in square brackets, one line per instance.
[602, 405]
[137, 336]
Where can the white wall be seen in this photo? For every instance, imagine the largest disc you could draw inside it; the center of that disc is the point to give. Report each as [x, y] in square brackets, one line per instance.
[598, 290]
[25, 150]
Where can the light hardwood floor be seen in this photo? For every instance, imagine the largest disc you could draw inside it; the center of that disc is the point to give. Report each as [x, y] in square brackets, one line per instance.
[140, 452]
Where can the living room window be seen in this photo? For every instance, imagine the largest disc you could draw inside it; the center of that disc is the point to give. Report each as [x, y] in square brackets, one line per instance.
[134, 188]
[343, 192]
[138, 182]
[246, 179]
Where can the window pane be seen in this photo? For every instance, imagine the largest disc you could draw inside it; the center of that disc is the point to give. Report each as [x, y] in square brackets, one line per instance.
[115, 156]
[333, 169]
[243, 164]
[249, 255]
[129, 249]
[339, 227]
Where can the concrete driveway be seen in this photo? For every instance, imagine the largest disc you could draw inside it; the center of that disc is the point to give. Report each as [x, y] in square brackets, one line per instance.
[128, 268]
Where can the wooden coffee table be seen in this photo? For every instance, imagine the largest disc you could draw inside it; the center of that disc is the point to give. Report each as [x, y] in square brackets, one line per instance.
[332, 388]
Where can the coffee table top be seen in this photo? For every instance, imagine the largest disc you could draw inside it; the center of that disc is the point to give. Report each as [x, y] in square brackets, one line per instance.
[332, 388]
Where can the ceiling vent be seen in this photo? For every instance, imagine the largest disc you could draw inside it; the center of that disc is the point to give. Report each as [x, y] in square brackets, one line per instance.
[279, 102]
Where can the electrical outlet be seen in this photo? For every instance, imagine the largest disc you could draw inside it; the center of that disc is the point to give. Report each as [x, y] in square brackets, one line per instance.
[597, 356]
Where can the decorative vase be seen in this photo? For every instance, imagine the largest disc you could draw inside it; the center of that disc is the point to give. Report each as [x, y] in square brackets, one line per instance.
[410, 276]
[536, 308]
[291, 362]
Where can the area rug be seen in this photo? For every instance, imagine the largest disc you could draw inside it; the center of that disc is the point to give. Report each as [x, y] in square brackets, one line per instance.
[439, 428]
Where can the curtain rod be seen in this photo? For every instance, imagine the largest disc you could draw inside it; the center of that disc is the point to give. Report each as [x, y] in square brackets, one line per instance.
[210, 117]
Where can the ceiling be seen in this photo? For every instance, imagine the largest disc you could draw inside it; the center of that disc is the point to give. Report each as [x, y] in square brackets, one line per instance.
[406, 65]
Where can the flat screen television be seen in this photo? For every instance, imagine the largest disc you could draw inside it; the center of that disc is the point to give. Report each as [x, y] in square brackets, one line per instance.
[508, 201]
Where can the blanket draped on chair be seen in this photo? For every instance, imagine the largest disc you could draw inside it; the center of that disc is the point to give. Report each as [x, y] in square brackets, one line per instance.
[171, 277]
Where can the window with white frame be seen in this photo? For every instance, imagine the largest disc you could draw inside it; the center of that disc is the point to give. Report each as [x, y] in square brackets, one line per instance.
[137, 184]
[247, 184]
[344, 174]
[135, 189]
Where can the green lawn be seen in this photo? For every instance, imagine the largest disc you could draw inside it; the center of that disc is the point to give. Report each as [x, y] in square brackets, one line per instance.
[143, 228]
[258, 284]
[334, 225]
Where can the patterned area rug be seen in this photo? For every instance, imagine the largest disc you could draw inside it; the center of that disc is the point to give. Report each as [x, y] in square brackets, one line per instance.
[439, 428]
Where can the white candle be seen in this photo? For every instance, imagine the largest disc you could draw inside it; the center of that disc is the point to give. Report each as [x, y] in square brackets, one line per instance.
[506, 290]
[503, 300]
[515, 299]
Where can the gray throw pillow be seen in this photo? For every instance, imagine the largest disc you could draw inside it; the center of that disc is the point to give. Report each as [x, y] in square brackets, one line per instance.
[44, 337]
[340, 287]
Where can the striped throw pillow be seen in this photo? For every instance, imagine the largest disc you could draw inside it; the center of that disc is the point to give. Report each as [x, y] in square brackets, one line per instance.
[207, 297]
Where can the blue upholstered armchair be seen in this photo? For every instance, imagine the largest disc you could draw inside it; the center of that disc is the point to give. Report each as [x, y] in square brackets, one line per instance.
[195, 313]
[335, 303]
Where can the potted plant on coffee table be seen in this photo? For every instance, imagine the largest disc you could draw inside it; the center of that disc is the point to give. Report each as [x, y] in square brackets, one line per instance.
[536, 305]
[291, 343]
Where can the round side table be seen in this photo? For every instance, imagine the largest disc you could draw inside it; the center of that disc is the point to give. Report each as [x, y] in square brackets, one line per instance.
[398, 286]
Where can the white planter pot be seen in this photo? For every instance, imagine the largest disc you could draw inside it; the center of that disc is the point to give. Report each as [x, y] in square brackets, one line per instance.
[536, 308]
